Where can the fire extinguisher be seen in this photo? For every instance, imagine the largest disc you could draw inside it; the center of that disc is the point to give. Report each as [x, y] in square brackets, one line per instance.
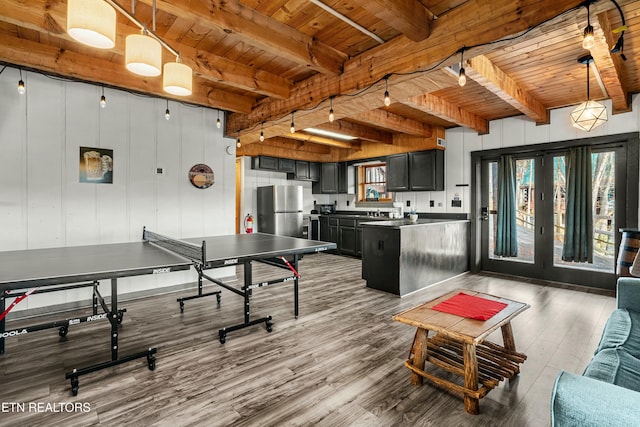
[248, 224]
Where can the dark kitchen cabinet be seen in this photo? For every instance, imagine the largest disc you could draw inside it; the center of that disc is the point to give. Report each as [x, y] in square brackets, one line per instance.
[381, 259]
[419, 171]
[347, 236]
[286, 165]
[264, 163]
[328, 183]
[334, 179]
[305, 171]
[398, 172]
[426, 170]
[324, 229]
[314, 171]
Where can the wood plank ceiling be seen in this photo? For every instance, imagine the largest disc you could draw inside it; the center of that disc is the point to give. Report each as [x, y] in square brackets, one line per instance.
[261, 61]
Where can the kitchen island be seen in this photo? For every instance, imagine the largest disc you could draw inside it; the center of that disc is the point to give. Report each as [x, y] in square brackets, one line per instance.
[401, 257]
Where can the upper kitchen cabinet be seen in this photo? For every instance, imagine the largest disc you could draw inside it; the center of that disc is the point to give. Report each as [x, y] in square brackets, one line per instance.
[305, 171]
[419, 171]
[264, 163]
[335, 178]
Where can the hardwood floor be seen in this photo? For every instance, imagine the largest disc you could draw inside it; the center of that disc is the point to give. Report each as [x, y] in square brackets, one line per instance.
[341, 363]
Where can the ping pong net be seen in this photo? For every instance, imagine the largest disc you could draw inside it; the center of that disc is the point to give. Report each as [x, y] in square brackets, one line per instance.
[186, 249]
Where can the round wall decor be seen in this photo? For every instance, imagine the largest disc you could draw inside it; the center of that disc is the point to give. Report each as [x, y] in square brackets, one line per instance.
[201, 176]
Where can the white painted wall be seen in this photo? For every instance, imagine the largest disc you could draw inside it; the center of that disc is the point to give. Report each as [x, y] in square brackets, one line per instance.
[43, 204]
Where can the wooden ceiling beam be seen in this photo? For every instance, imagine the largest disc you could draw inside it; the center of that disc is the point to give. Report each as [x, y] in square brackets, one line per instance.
[394, 123]
[40, 15]
[492, 78]
[357, 130]
[410, 17]
[255, 29]
[470, 24]
[609, 65]
[438, 107]
[73, 65]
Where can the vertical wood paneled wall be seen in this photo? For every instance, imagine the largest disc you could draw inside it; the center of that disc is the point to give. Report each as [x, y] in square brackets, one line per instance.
[43, 204]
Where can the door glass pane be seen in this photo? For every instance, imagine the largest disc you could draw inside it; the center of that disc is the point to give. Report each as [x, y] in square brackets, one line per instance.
[603, 195]
[525, 209]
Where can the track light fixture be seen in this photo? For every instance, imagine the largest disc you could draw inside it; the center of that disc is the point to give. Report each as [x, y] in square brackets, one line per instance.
[332, 117]
[167, 113]
[387, 98]
[262, 132]
[21, 87]
[590, 114]
[293, 126]
[462, 76]
[93, 22]
[103, 99]
[218, 122]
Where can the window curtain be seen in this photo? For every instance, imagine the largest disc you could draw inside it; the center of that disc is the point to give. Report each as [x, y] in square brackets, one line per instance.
[578, 235]
[506, 230]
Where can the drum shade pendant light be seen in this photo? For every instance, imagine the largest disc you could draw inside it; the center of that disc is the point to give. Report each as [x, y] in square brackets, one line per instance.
[92, 22]
[590, 114]
[177, 78]
[143, 55]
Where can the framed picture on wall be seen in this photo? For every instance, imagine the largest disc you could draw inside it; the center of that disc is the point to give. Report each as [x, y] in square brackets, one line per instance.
[96, 165]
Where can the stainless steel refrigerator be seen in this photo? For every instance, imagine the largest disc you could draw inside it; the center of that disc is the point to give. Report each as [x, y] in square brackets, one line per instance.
[280, 210]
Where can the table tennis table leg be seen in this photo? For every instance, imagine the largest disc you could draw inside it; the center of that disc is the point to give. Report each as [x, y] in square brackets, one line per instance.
[246, 293]
[114, 319]
[200, 294]
[295, 286]
[2, 322]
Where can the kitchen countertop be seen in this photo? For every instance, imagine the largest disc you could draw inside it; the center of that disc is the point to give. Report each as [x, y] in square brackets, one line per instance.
[401, 223]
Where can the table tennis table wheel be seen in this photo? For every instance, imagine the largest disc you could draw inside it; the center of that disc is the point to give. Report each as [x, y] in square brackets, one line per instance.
[120, 316]
[181, 306]
[269, 325]
[151, 361]
[63, 331]
[223, 336]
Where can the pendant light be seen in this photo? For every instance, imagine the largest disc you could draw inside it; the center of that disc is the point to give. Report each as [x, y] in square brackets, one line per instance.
[218, 122]
[387, 98]
[590, 114]
[587, 36]
[292, 129]
[103, 99]
[177, 78]
[262, 132]
[21, 87]
[167, 113]
[332, 117]
[462, 75]
[92, 22]
[143, 55]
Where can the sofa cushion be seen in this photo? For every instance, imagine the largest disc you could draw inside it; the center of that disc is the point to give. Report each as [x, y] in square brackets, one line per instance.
[615, 366]
[622, 330]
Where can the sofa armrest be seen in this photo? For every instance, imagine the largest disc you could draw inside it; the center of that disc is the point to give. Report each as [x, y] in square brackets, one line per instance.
[583, 402]
[628, 295]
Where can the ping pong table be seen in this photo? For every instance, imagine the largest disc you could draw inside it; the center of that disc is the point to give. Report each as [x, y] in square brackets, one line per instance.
[26, 272]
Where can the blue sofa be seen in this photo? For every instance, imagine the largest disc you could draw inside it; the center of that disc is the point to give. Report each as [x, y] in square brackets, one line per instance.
[608, 392]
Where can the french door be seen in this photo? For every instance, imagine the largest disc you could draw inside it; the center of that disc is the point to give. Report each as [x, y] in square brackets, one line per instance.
[540, 202]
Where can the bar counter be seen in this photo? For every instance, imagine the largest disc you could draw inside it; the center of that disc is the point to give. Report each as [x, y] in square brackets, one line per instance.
[401, 257]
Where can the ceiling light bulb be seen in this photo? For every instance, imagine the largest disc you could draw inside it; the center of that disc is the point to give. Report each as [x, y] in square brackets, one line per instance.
[21, 88]
[238, 143]
[261, 136]
[462, 77]
[588, 40]
[167, 114]
[332, 117]
[293, 128]
[103, 102]
[218, 124]
[387, 98]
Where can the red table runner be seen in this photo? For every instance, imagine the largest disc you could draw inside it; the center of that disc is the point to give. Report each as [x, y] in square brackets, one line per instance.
[470, 306]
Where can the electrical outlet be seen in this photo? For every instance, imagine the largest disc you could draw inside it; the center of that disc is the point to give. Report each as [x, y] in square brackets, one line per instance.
[159, 171]
[408, 203]
[432, 203]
